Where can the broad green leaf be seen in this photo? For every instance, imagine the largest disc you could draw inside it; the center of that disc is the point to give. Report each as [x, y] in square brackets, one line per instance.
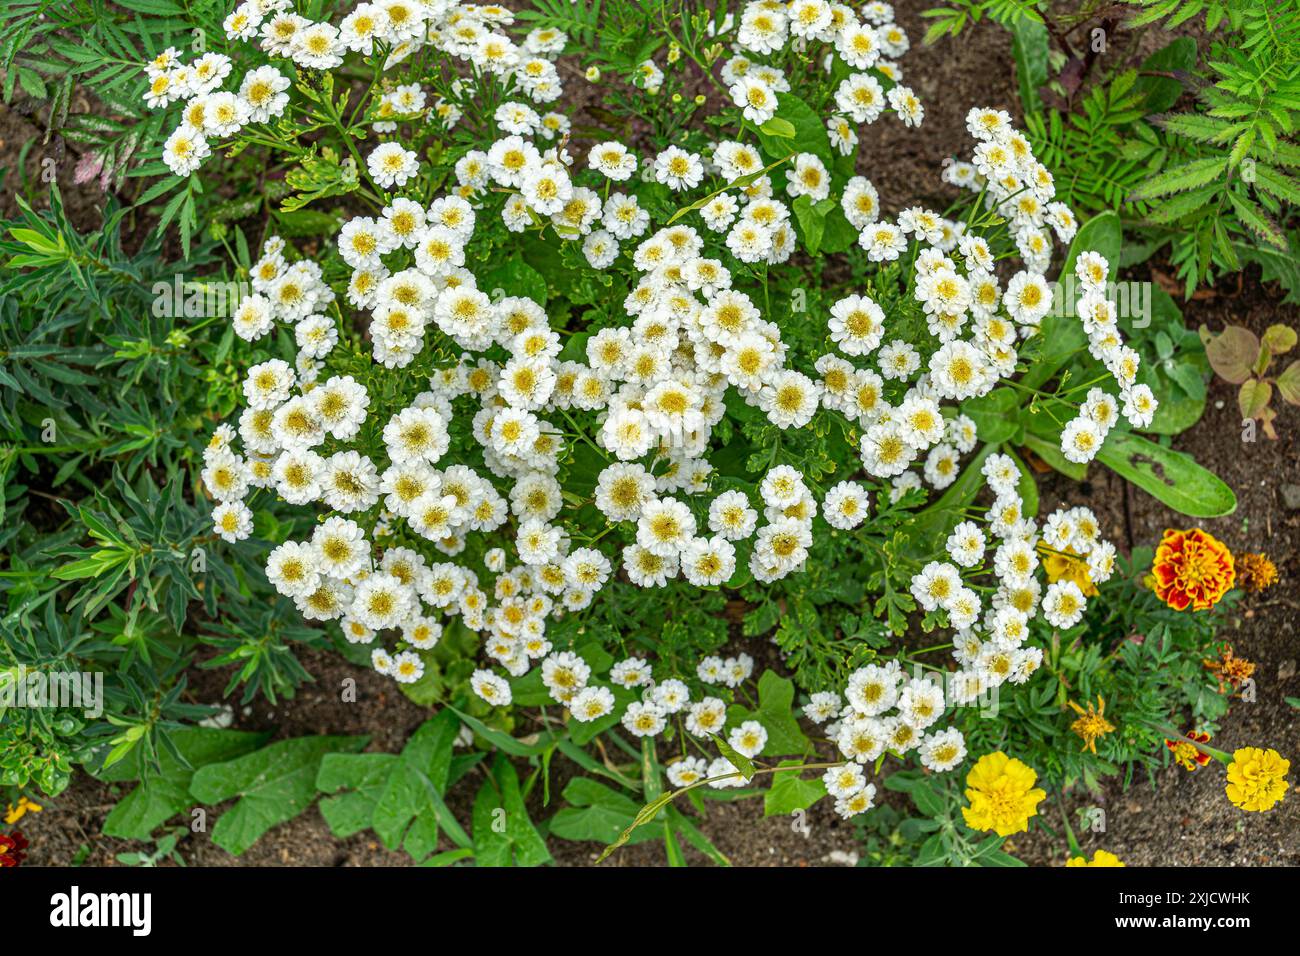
[160, 796]
[994, 414]
[1163, 91]
[1049, 450]
[503, 833]
[390, 793]
[1171, 476]
[273, 785]
[776, 714]
[809, 136]
[594, 812]
[790, 792]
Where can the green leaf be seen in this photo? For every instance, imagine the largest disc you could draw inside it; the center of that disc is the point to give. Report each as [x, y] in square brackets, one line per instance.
[1182, 177]
[1029, 45]
[777, 126]
[273, 785]
[1162, 92]
[595, 812]
[1171, 476]
[503, 833]
[790, 792]
[994, 414]
[390, 793]
[318, 176]
[515, 277]
[776, 714]
[733, 756]
[162, 795]
[1050, 452]
[1062, 335]
[812, 221]
[809, 135]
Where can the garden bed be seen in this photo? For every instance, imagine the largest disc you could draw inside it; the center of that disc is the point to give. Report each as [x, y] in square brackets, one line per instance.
[1184, 820]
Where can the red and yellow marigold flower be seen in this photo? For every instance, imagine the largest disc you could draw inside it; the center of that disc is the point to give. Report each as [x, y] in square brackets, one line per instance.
[1257, 779]
[13, 849]
[1186, 753]
[1192, 569]
[1002, 795]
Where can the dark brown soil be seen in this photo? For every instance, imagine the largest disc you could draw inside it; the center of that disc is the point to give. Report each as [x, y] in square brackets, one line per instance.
[1186, 821]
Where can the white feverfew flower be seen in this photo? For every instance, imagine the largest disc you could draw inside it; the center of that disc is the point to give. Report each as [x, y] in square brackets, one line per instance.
[1064, 604]
[232, 521]
[644, 719]
[490, 688]
[390, 164]
[678, 169]
[708, 562]
[856, 325]
[845, 506]
[591, 703]
[748, 739]
[943, 750]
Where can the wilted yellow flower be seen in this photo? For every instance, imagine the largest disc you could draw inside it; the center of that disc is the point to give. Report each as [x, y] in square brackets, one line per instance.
[15, 813]
[1091, 723]
[1255, 572]
[1068, 566]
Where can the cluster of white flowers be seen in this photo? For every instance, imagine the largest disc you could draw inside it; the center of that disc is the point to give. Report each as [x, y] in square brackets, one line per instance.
[1083, 436]
[381, 559]
[1021, 189]
[883, 710]
[464, 32]
[872, 42]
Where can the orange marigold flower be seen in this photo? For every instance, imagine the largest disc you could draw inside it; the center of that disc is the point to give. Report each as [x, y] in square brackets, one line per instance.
[1230, 669]
[1256, 572]
[1186, 753]
[1192, 569]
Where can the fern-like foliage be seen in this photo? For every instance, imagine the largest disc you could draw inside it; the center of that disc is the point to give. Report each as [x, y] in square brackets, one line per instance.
[57, 50]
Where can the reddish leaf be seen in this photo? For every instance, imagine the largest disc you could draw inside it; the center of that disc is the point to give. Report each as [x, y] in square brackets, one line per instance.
[1232, 353]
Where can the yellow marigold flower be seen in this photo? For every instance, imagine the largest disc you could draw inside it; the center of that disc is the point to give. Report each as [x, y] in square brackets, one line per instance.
[1069, 566]
[15, 813]
[1091, 723]
[1255, 572]
[1002, 795]
[1100, 858]
[1257, 779]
